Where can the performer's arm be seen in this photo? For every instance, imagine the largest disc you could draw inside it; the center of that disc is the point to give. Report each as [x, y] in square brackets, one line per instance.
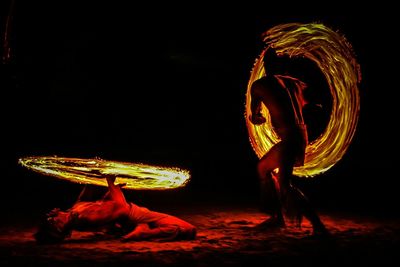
[255, 106]
[115, 191]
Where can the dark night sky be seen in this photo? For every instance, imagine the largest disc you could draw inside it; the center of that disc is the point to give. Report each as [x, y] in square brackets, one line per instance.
[167, 86]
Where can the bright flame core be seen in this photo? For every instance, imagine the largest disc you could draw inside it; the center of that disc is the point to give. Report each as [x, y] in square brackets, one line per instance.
[334, 56]
[92, 171]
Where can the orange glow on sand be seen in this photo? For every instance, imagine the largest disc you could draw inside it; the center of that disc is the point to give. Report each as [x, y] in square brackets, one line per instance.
[334, 56]
[92, 171]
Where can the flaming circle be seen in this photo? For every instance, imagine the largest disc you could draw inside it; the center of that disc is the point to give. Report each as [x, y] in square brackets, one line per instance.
[92, 171]
[334, 56]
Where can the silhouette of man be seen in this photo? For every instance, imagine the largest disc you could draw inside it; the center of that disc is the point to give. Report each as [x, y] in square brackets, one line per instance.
[283, 97]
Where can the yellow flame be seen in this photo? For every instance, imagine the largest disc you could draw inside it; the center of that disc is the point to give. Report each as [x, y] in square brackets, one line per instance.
[90, 171]
[334, 56]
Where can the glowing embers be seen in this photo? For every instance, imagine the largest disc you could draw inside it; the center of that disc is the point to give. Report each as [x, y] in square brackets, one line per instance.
[334, 56]
[91, 171]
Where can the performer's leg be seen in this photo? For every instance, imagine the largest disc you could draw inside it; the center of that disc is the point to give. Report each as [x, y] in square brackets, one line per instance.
[115, 191]
[296, 203]
[309, 212]
[162, 232]
[144, 232]
[269, 196]
[107, 195]
[270, 200]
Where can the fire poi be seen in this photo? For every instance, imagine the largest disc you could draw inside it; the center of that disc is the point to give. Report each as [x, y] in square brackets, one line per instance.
[91, 171]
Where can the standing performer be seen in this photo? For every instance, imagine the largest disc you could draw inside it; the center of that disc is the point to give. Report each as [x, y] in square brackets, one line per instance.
[283, 97]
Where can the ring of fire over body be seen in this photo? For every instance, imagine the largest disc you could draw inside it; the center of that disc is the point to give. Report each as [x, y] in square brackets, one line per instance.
[93, 171]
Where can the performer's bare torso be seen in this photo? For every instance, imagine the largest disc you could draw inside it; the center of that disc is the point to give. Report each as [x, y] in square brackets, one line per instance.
[96, 214]
[285, 111]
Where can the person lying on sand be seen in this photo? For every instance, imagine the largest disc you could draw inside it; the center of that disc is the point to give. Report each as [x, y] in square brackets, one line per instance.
[113, 214]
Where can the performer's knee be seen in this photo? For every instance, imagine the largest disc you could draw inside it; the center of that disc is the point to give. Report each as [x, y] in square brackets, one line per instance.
[263, 170]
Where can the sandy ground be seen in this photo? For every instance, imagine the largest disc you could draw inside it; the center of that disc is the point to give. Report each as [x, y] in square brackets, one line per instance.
[225, 238]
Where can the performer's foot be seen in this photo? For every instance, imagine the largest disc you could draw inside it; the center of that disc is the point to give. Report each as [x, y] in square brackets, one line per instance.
[321, 232]
[135, 237]
[271, 223]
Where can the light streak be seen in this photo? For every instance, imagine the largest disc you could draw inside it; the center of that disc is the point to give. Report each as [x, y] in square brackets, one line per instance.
[93, 171]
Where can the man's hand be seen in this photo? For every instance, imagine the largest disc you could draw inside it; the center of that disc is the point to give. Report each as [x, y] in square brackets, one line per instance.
[257, 119]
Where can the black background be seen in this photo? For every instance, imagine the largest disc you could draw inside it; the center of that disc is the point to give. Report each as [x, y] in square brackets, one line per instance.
[165, 84]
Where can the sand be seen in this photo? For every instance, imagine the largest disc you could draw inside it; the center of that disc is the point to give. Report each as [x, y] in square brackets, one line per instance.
[225, 238]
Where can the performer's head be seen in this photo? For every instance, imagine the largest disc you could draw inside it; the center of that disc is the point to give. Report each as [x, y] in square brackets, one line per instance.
[274, 63]
[55, 227]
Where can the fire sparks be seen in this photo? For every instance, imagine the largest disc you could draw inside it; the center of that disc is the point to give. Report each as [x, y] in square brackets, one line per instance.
[334, 56]
[92, 171]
